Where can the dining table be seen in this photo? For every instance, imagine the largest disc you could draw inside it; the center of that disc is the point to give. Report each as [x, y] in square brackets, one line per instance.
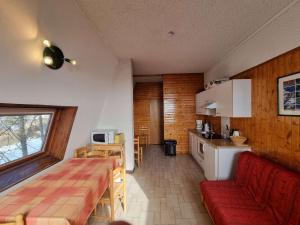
[66, 195]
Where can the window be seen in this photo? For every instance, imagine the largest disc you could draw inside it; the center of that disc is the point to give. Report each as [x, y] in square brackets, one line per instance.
[23, 133]
[32, 138]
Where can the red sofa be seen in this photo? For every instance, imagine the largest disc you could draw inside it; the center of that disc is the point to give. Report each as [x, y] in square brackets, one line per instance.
[261, 193]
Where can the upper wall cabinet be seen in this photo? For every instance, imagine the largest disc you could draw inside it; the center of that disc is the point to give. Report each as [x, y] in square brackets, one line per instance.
[229, 99]
[204, 99]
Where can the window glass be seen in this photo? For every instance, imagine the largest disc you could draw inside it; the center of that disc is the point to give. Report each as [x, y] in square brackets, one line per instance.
[22, 135]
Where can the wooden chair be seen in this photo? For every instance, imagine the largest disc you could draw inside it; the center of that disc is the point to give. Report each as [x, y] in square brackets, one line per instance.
[116, 191]
[117, 177]
[81, 152]
[102, 151]
[97, 154]
[144, 134]
[18, 220]
[116, 151]
[138, 151]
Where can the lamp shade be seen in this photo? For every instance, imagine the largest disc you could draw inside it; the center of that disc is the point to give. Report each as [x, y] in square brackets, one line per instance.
[56, 55]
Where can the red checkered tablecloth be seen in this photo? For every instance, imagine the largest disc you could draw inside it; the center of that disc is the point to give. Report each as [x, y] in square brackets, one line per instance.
[64, 196]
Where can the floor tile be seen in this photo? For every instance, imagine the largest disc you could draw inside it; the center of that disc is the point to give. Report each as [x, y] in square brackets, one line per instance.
[163, 191]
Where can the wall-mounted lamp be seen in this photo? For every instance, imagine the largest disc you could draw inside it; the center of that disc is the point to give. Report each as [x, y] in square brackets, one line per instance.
[54, 57]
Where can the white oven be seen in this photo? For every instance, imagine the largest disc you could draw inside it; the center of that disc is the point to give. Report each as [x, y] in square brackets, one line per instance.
[198, 152]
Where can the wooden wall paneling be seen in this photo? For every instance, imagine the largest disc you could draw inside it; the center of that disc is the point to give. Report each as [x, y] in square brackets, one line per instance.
[275, 137]
[179, 106]
[295, 140]
[59, 136]
[148, 109]
[155, 122]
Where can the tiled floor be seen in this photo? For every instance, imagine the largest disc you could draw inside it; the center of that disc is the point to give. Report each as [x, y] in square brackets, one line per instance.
[164, 190]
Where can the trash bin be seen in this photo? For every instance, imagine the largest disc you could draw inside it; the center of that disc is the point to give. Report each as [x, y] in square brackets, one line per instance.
[170, 147]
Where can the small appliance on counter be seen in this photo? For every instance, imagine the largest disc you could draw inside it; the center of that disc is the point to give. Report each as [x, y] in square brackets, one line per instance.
[206, 129]
[226, 132]
[103, 136]
[208, 132]
[199, 125]
[119, 138]
[234, 132]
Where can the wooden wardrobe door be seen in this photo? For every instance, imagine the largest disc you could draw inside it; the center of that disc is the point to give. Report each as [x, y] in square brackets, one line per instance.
[155, 121]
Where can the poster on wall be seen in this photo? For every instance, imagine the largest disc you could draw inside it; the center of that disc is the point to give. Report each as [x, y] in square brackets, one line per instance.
[288, 91]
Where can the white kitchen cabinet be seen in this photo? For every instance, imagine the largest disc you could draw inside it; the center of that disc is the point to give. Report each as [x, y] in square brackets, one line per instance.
[202, 99]
[190, 142]
[210, 167]
[224, 100]
[196, 150]
[232, 98]
[219, 162]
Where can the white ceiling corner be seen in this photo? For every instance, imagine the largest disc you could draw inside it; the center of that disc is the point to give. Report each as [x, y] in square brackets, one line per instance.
[205, 30]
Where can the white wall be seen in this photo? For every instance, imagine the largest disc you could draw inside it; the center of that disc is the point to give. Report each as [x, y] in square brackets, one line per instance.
[118, 108]
[24, 79]
[280, 35]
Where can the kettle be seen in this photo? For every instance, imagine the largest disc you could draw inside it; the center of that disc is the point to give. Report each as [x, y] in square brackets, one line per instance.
[206, 128]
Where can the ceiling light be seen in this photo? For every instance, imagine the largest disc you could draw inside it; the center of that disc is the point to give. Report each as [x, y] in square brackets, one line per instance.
[171, 33]
[54, 57]
[48, 60]
[72, 61]
[47, 43]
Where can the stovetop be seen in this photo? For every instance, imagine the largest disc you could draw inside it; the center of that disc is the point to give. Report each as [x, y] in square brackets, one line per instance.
[208, 135]
[212, 136]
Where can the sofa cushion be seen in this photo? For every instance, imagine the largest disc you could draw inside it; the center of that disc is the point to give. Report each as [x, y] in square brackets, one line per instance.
[243, 168]
[207, 186]
[283, 192]
[227, 194]
[295, 214]
[260, 180]
[241, 216]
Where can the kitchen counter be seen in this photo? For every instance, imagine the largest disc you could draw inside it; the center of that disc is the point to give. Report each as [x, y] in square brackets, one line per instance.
[219, 142]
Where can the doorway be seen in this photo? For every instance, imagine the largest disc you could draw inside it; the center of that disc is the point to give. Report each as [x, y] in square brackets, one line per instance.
[148, 110]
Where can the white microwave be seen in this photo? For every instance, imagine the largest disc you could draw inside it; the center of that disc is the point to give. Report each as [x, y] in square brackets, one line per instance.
[103, 136]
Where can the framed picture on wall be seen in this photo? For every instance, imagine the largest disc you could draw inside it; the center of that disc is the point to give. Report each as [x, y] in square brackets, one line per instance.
[288, 92]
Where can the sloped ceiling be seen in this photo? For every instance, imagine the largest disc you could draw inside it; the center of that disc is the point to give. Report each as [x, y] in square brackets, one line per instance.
[204, 30]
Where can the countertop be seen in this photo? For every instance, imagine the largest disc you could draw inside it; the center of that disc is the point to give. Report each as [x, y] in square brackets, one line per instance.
[219, 142]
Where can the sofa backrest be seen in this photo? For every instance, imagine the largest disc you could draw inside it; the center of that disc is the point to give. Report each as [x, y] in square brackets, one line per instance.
[285, 186]
[243, 168]
[260, 181]
[295, 214]
[271, 185]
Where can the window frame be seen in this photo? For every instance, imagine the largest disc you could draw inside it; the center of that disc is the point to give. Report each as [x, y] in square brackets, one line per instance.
[18, 111]
[55, 146]
[11, 111]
